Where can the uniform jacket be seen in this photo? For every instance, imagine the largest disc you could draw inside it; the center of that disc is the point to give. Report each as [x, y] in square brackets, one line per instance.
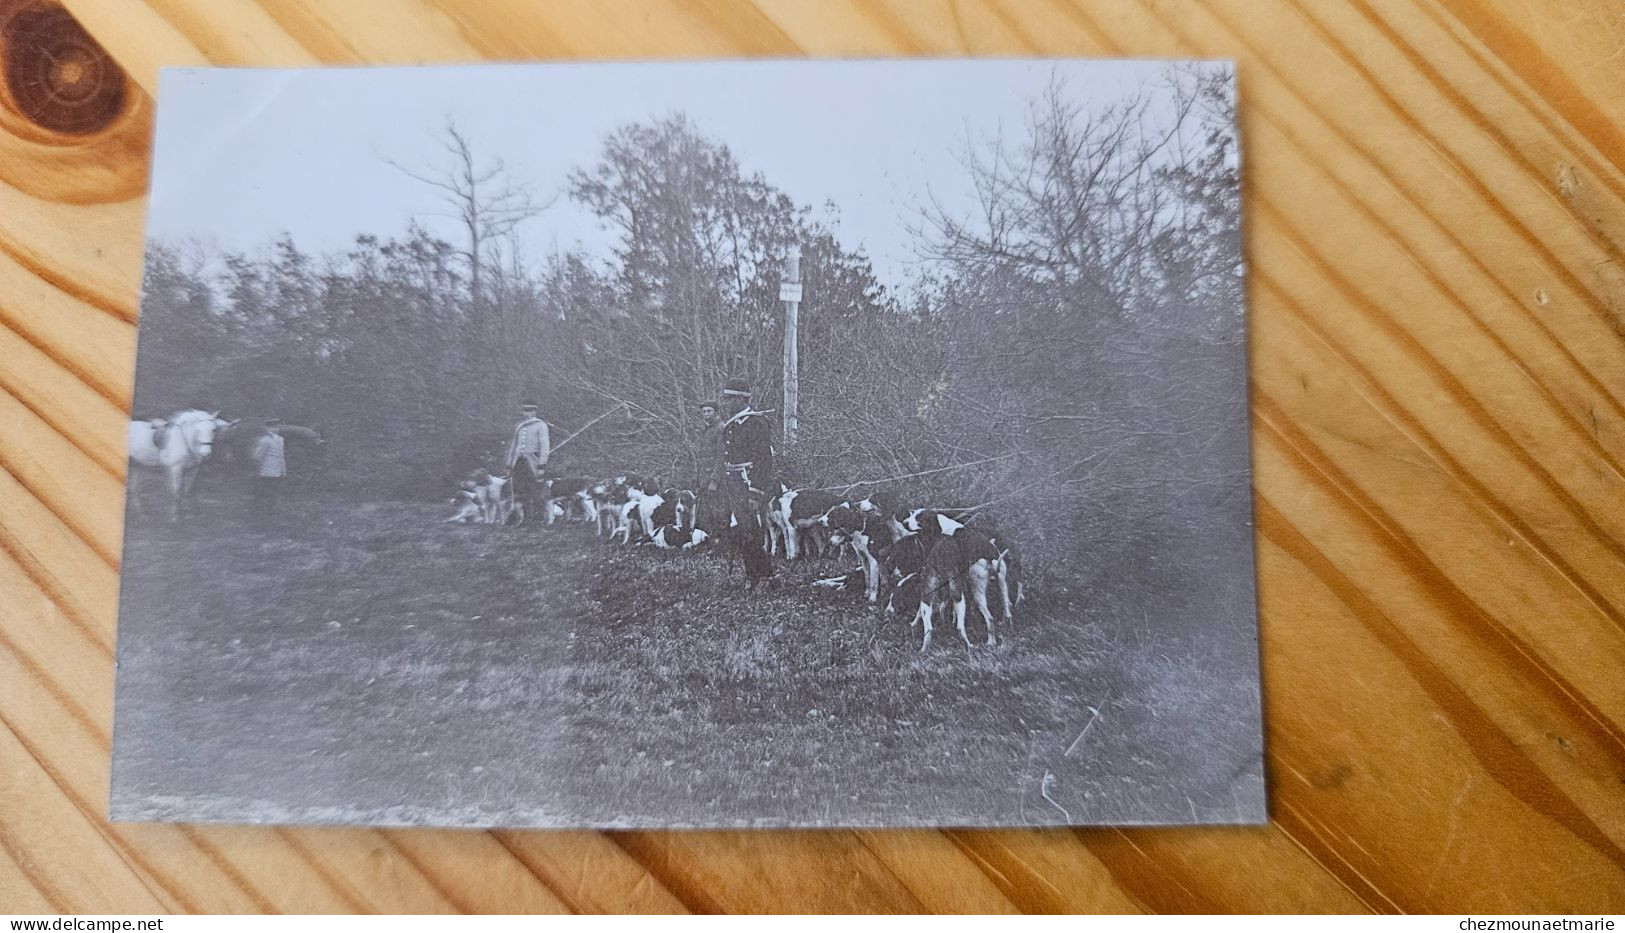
[269, 457]
[746, 438]
[530, 441]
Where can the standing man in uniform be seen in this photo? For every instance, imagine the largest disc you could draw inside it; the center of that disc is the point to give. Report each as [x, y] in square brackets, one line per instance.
[747, 478]
[527, 460]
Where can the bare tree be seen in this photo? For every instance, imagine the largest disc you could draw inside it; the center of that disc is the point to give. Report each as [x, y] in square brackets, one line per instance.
[482, 196]
[1084, 201]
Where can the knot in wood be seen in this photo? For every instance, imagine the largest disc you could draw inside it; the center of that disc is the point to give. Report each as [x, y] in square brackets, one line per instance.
[56, 75]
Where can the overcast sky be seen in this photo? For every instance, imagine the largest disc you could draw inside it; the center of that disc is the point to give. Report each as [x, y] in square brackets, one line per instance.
[246, 154]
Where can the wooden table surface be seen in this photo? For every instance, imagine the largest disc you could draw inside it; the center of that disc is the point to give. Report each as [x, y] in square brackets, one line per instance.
[1435, 198]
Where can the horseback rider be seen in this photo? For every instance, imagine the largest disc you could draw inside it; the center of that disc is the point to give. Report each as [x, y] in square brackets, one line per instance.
[527, 459]
[746, 477]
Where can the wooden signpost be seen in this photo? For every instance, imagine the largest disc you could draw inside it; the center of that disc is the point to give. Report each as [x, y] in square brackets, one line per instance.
[790, 294]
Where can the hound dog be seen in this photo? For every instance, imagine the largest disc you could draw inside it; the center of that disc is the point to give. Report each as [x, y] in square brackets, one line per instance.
[673, 537]
[800, 513]
[905, 559]
[604, 495]
[900, 520]
[573, 496]
[467, 503]
[907, 521]
[960, 563]
[608, 496]
[494, 496]
[870, 537]
[776, 523]
[676, 508]
[1011, 584]
[637, 511]
[876, 503]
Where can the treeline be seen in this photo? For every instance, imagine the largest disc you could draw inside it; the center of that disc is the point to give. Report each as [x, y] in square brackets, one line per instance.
[1075, 343]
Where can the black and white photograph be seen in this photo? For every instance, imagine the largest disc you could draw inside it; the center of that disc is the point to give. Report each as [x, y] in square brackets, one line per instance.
[722, 444]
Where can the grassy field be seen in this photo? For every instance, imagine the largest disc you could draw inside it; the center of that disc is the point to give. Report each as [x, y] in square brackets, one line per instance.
[368, 662]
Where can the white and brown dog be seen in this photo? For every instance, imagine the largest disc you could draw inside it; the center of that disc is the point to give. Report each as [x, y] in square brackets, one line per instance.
[494, 494]
[605, 495]
[468, 505]
[869, 536]
[677, 507]
[672, 537]
[796, 518]
[959, 566]
[572, 498]
[636, 513]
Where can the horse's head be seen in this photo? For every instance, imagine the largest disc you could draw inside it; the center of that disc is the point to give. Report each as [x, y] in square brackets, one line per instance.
[204, 430]
[199, 429]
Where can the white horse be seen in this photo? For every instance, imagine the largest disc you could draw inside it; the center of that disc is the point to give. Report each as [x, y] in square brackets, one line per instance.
[178, 445]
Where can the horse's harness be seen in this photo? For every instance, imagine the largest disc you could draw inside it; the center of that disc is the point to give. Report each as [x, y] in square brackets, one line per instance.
[194, 452]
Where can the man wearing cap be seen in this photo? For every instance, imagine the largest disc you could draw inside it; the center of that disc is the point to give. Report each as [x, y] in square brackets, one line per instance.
[710, 450]
[746, 477]
[527, 459]
[710, 512]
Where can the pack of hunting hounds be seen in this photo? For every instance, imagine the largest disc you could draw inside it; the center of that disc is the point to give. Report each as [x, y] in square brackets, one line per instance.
[928, 559]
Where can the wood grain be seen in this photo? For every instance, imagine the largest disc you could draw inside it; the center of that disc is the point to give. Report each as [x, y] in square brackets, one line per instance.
[1435, 196]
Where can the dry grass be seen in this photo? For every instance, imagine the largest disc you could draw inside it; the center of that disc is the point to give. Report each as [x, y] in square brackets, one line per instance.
[368, 662]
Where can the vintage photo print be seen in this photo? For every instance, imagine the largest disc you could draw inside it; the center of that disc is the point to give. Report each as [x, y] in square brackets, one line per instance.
[692, 444]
